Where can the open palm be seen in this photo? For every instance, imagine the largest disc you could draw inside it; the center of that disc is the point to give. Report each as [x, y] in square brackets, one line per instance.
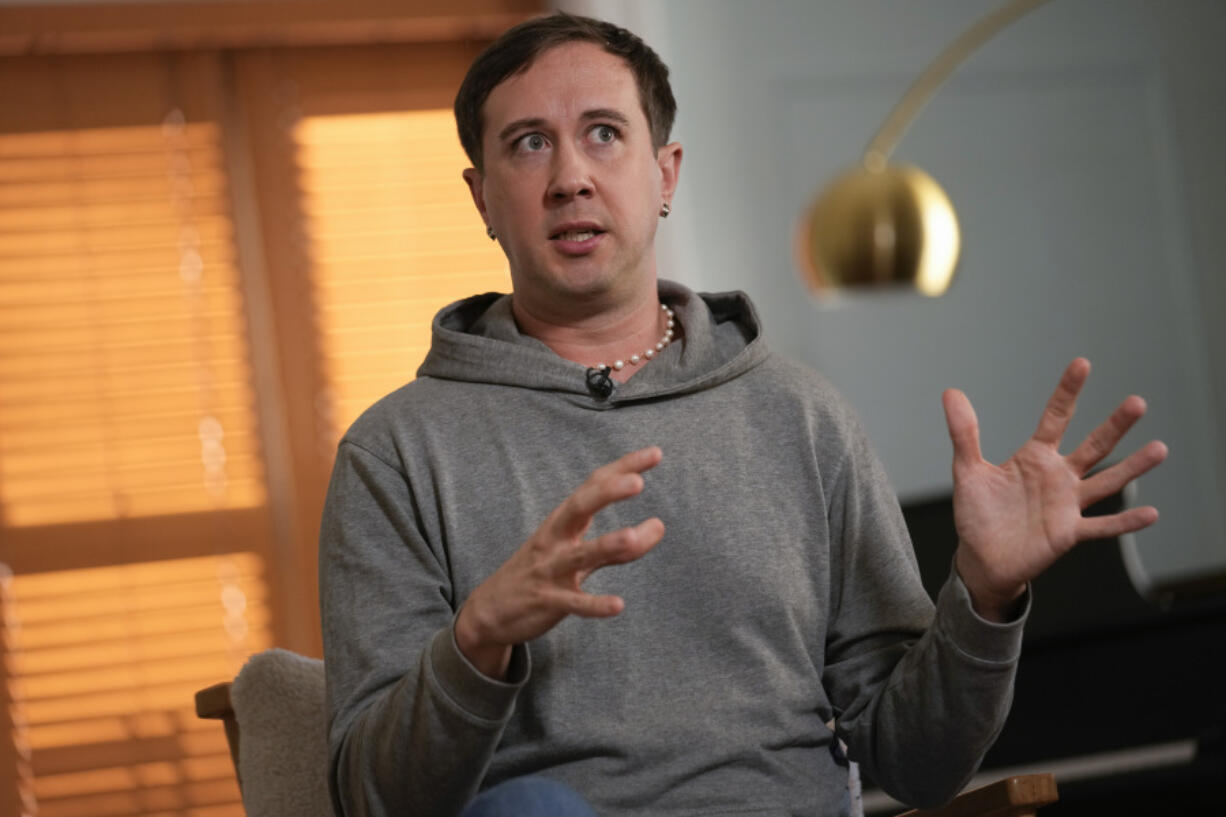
[1015, 519]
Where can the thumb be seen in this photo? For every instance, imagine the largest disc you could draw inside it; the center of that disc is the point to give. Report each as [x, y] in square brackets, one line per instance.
[963, 427]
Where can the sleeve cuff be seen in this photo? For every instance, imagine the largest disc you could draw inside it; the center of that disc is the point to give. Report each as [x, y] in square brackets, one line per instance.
[474, 692]
[982, 640]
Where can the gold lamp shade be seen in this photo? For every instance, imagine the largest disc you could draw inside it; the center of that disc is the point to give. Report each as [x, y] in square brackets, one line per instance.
[878, 228]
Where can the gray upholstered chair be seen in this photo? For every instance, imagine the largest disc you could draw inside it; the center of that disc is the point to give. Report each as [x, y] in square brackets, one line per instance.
[276, 724]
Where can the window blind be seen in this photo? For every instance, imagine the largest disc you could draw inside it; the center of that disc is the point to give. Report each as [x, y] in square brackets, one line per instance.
[124, 379]
[104, 663]
[393, 237]
[132, 490]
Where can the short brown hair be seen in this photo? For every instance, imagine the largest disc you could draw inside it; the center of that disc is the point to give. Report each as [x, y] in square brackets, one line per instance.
[519, 47]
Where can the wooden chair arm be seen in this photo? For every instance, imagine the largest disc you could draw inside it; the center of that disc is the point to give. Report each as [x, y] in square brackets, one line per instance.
[1018, 796]
[214, 702]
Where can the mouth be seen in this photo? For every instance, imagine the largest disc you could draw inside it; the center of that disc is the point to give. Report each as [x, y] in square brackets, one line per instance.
[577, 239]
[578, 234]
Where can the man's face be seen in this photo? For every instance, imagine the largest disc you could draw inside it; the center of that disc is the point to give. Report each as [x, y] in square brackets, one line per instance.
[572, 184]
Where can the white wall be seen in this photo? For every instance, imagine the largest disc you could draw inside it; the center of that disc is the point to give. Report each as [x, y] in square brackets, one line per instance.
[1081, 150]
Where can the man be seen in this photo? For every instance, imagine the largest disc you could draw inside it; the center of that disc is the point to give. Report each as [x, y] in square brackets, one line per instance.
[475, 516]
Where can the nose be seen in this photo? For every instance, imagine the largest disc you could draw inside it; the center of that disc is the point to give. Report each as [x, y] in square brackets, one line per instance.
[571, 177]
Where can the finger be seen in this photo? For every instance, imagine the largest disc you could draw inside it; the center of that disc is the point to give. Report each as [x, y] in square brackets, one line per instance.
[1116, 524]
[1102, 440]
[613, 548]
[1063, 401]
[963, 426]
[620, 479]
[1110, 480]
[575, 513]
[636, 462]
[587, 605]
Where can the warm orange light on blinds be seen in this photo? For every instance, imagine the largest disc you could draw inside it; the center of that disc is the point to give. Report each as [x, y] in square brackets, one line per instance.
[393, 238]
[124, 382]
[103, 665]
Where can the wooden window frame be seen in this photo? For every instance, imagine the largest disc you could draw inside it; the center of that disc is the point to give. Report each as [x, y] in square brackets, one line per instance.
[51, 28]
[238, 36]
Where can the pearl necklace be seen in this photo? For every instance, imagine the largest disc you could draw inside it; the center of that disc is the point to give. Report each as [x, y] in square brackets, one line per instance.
[666, 339]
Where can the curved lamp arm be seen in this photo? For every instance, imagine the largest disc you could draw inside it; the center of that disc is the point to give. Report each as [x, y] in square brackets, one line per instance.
[917, 96]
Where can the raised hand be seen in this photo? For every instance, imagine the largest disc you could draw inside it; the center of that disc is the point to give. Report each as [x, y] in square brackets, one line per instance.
[542, 581]
[1014, 520]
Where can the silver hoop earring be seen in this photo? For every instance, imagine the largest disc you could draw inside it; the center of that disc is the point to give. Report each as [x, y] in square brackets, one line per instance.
[665, 210]
[490, 232]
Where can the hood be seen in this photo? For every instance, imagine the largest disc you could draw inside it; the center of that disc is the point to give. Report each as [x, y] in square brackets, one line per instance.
[477, 340]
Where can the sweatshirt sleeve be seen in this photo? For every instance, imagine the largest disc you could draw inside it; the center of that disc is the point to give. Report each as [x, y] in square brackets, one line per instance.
[412, 724]
[919, 694]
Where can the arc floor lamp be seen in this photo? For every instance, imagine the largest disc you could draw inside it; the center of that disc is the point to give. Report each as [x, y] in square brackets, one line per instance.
[886, 225]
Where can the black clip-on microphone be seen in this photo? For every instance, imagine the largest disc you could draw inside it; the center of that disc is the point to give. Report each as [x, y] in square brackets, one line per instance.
[598, 381]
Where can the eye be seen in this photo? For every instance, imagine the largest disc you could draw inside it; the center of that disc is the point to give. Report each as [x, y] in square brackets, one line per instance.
[531, 142]
[604, 134]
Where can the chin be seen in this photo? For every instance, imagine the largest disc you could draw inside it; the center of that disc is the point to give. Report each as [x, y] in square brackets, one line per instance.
[583, 280]
[586, 281]
[586, 290]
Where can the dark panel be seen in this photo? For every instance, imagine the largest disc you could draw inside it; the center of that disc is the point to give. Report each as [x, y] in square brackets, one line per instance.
[1103, 670]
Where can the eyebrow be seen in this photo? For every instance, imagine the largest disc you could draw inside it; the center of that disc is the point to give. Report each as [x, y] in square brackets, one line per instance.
[519, 124]
[606, 113]
[587, 116]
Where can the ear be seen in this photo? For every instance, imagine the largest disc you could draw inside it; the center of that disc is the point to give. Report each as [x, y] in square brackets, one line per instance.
[476, 187]
[668, 158]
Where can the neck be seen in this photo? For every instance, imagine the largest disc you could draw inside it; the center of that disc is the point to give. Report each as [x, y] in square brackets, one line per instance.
[602, 336]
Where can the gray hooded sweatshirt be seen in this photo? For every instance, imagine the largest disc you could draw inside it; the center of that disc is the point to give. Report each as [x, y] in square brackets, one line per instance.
[783, 596]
